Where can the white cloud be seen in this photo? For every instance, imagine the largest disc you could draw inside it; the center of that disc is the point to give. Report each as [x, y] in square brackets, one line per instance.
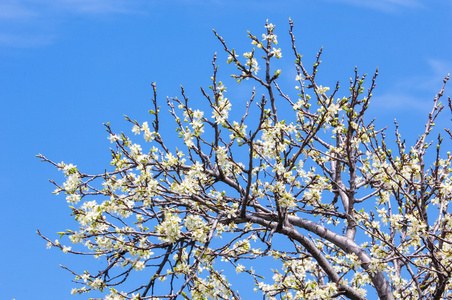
[32, 23]
[383, 5]
[440, 67]
[87, 6]
[400, 101]
[24, 40]
[13, 10]
[416, 92]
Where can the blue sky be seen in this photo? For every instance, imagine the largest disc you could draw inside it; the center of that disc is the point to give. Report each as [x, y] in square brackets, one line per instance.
[68, 66]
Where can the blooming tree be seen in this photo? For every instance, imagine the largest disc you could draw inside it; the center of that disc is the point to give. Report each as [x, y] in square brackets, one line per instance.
[356, 216]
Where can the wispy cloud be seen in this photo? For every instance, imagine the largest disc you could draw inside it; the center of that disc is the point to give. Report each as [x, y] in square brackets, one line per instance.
[25, 40]
[383, 5]
[416, 92]
[11, 10]
[88, 6]
[31, 23]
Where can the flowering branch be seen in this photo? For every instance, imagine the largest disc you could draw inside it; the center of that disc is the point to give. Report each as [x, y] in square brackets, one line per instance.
[357, 214]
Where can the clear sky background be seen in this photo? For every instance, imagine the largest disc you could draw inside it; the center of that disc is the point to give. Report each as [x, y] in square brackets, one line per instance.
[67, 66]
